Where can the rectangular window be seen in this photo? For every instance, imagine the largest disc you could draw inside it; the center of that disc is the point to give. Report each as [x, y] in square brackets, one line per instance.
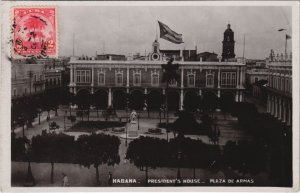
[154, 79]
[119, 79]
[35, 78]
[137, 79]
[223, 79]
[228, 79]
[233, 79]
[78, 76]
[191, 80]
[25, 91]
[83, 76]
[209, 80]
[88, 76]
[15, 92]
[101, 79]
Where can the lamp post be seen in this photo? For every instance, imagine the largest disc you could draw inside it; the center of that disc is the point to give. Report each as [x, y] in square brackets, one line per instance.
[39, 112]
[178, 178]
[138, 116]
[70, 105]
[126, 134]
[29, 181]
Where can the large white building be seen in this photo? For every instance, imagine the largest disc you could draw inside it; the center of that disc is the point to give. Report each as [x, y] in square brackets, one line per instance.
[279, 90]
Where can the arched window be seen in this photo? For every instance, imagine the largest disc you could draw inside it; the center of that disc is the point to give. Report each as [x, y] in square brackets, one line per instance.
[101, 78]
[119, 78]
[136, 78]
[209, 79]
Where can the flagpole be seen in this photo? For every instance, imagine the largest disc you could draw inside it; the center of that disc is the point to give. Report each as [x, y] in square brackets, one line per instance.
[285, 46]
[244, 47]
[73, 44]
[156, 30]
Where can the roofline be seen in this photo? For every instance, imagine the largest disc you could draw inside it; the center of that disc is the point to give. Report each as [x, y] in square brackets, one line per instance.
[146, 62]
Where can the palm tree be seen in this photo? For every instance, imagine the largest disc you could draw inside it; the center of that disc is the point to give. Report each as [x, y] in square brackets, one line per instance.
[34, 23]
[170, 73]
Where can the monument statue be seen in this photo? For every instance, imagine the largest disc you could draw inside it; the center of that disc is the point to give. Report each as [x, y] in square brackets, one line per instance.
[133, 117]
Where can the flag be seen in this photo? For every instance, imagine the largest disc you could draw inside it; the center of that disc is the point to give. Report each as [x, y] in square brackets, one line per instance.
[287, 36]
[168, 34]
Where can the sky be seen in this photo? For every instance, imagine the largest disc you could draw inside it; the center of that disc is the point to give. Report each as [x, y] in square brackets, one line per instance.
[129, 30]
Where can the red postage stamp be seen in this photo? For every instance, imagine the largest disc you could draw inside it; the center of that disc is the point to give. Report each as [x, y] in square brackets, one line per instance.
[35, 32]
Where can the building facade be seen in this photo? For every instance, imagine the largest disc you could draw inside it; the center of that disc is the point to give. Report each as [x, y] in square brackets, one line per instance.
[112, 81]
[255, 75]
[26, 79]
[33, 77]
[279, 90]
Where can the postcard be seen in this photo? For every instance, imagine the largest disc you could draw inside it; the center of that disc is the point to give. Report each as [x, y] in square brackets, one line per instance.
[149, 96]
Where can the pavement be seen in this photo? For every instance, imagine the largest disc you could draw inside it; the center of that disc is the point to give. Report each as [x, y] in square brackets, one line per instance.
[82, 176]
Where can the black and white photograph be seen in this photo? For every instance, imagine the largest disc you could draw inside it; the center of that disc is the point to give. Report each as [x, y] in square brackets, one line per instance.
[151, 95]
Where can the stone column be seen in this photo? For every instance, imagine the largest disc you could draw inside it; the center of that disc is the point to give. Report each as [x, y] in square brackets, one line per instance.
[75, 75]
[271, 105]
[181, 99]
[276, 107]
[219, 77]
[283, 111]
[241, 97]
[182, 78]
[241, 77]
[71, 74]
[109, 97]
[291, 114]
[127, 77]
[92, 76]
[289, 117]
[279, 109]
[238, 78]
[237, 96]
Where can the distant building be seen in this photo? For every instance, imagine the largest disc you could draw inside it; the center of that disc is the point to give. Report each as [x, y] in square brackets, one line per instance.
[111, 57]
[207, 57]
[255, 75]
[279, 89]
[255, 63]
[26, 79]
[53, 78]
[34, 76]
[228, 44]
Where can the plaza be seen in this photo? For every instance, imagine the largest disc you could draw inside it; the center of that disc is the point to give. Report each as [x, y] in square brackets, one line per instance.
[81, 176]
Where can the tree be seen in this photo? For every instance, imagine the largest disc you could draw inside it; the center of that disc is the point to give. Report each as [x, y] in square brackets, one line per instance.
[96, 150]
[34, 23]
[170, 73]
[53, 148]
[84, 101]
[194, 153]
[18, 151]
[247, 157]
[148, 152]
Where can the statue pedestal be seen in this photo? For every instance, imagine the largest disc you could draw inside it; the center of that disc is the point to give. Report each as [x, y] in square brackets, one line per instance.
[132, 129]
[132, 133]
